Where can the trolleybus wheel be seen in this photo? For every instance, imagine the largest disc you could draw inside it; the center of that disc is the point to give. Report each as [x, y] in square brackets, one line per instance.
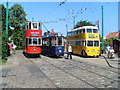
[84, 54]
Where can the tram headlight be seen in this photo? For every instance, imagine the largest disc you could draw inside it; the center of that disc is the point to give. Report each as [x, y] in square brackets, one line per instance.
[60, 51]
[34, 49]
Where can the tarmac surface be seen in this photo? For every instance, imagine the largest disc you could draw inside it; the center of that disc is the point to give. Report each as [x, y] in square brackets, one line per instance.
[47, 72]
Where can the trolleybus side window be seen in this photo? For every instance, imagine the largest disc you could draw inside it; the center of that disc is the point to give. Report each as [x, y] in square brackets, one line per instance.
[89, 30]
[83, 43]
[90, 43]
[96, 43]
[95, 31]
[83, 30]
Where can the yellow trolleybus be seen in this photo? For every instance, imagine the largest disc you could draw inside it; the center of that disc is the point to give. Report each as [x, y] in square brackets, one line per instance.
[85, 41]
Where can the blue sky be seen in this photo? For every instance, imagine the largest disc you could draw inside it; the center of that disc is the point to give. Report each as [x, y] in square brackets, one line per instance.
[56, 17]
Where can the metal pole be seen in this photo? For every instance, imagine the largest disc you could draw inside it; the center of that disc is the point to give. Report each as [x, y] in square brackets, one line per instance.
[102, 30]
[7, 27]
[73, 22]
[32, 19]
[7, 18]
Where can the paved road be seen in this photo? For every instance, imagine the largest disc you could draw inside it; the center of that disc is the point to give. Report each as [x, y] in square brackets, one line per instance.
[46, 72]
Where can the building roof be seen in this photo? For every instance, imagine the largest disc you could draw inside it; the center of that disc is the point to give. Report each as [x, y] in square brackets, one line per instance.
[113, 34]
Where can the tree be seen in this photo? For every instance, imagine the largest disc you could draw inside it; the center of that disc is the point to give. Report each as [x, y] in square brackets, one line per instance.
[83, 23]
[17, 22]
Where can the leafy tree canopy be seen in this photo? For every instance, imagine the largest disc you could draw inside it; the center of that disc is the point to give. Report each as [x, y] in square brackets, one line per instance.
[83, 23]
[17, 21]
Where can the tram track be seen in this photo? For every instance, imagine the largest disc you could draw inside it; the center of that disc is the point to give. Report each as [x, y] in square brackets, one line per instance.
[113, 80]
[44, 59]
[70, 74]
[103, 68]
[56, 86]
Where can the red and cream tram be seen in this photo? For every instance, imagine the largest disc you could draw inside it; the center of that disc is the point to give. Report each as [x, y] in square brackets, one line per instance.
[32, 39]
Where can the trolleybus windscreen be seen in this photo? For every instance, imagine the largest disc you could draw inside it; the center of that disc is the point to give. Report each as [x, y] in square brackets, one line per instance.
[95, 31]
[90, 43]
[89, 30]
[96, 43]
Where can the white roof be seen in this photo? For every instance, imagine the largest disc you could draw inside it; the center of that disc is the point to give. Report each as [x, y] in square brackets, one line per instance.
[84, 27]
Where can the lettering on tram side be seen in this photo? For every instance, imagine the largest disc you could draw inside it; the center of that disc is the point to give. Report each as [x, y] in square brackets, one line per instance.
[35, 33]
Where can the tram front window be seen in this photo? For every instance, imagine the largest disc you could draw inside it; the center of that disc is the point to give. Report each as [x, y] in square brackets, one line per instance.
[59, 40]
[34, 41]
[90, 43]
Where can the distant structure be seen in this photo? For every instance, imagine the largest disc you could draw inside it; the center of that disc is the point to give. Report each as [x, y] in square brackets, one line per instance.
[113, 34]
[52, 33]
[116, 45]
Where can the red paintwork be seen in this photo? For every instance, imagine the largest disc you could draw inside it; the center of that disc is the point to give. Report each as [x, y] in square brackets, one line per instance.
[30, 49]
[31, 33]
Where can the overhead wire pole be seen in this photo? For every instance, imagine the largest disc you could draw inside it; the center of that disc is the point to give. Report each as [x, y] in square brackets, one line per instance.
[7, 26]
[102, 30]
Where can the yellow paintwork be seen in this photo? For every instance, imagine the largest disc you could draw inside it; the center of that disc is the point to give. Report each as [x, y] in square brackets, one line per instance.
[84, 36]
[91, 51]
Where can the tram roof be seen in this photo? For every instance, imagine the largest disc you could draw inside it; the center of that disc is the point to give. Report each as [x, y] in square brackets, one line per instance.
[83, 27]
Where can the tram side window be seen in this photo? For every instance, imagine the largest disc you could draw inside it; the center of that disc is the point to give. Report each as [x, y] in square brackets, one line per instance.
[26, 41]
[90, 43]
[95, 31]
[96, 43]
[39, 40]
[34, 41]
[89, 30]
[59, 40]
[30, 41]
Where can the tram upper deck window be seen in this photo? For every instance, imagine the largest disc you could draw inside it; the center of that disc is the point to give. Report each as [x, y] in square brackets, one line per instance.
[89, 30]
[90, 43]
[34, 25]
[95, 31]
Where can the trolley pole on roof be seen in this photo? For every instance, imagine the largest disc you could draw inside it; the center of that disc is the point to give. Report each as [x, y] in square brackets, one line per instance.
[73, 22]
[32, 19]
[102, 30]
[7, 26]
